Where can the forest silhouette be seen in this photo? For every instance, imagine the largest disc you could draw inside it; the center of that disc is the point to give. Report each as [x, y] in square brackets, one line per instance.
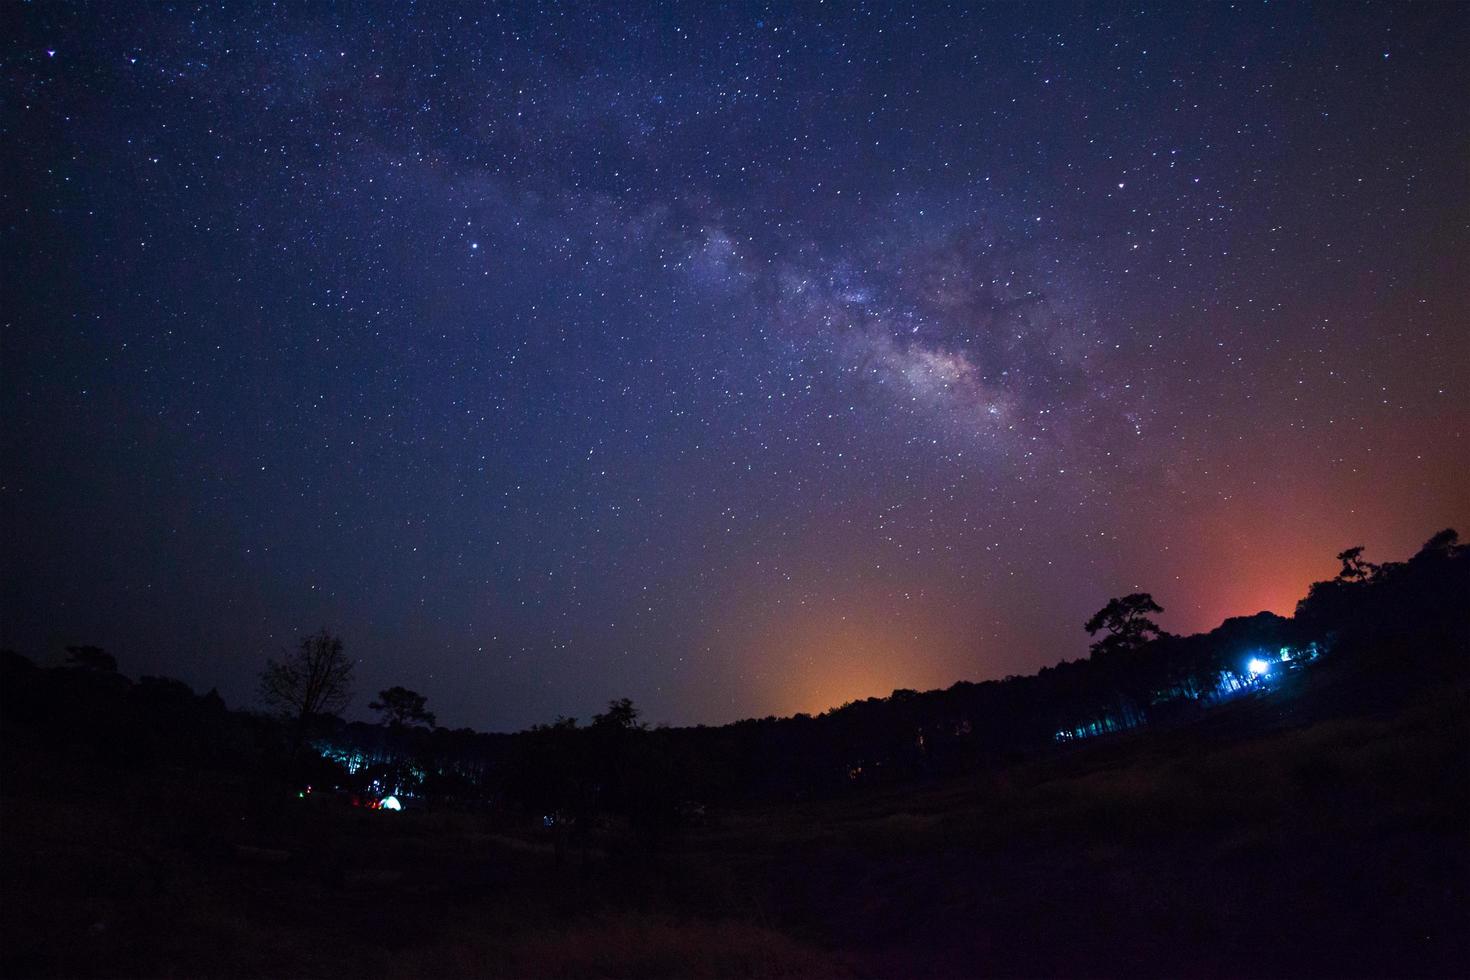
[613, 803]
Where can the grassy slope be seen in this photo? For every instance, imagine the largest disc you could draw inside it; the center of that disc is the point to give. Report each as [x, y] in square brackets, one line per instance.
[1252, 844]
[1340, 848]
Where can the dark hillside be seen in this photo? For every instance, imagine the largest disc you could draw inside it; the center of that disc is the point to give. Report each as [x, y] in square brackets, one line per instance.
[1309, 821]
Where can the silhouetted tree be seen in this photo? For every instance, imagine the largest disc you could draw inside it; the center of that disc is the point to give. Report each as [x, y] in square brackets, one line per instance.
[620, 714]
[91, 658]
[1354, 568]
[401, 708]
[1445, 544]
[1127, 623]
[315, 679]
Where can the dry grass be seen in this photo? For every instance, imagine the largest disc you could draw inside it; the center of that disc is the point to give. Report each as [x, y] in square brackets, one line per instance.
[1339, 848]
[629, 945]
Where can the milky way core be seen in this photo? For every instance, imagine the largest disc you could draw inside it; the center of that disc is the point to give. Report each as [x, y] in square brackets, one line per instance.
[736, 361]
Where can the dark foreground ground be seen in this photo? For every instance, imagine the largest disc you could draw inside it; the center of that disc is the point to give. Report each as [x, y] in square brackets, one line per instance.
[1257, 843]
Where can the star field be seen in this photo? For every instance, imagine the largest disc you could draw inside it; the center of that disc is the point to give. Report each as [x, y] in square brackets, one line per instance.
[738, 361]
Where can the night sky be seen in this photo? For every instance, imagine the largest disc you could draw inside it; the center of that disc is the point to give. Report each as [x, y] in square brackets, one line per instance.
[738, 360]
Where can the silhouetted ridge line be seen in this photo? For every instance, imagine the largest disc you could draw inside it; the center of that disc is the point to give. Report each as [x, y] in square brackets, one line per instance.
[1375, 632]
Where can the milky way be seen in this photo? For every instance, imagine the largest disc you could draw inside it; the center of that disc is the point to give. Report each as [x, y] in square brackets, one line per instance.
[739, 362]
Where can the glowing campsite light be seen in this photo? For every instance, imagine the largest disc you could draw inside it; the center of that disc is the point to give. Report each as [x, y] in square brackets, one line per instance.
[390, 803]
[1258, 666]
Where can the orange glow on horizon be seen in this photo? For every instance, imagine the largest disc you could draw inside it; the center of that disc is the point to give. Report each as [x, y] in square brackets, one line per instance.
[827, 663]
[1253, 559]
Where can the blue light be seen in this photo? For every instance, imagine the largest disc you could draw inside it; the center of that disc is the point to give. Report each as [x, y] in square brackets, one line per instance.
[391, 803]
[1258, 666]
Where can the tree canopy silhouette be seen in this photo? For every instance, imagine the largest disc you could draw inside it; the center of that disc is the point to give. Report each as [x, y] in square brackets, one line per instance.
[1444, 544]
[315, 679]
[401, 708]
[91, 658]
[1354, 567]
[620, 714]
[1127, 623]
